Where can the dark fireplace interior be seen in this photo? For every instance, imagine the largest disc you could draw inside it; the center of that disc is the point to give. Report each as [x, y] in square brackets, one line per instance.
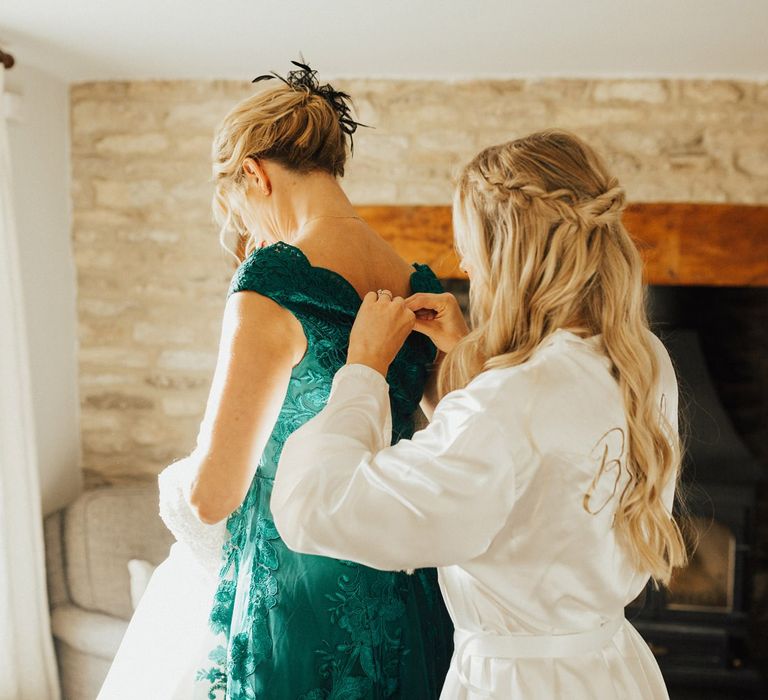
[709, 630]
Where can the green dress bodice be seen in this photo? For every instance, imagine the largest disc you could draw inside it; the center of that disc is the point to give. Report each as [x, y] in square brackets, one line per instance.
[302, 627]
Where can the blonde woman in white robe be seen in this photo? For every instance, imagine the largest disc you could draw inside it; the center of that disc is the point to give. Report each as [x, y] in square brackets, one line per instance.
[543, 486]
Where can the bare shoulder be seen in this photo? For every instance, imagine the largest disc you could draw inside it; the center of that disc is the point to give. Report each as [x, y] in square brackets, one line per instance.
[355, 251]
[251, 318]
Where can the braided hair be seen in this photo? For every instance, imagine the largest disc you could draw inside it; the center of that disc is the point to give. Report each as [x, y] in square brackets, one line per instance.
[538, 221]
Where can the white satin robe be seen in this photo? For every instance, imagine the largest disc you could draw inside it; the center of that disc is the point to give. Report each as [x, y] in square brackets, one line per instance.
[492, 492]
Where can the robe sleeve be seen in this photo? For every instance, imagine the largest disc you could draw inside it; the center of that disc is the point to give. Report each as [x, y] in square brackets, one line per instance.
[667, 398]
[437, 499]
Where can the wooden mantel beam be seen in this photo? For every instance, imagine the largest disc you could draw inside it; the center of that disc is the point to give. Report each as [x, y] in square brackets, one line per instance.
[682, 243]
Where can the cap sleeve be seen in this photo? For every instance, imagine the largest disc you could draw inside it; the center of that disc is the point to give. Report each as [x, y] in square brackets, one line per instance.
[424, 279]
[279, 273]
[272, 271]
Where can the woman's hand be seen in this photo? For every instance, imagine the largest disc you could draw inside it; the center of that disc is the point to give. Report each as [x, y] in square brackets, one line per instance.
[380, 329]
[439, 317]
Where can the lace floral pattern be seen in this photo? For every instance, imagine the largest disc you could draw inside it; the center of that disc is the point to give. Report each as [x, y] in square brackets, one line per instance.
[353, 643]
[372, 618]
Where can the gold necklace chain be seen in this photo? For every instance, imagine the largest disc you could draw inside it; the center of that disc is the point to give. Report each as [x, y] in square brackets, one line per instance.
[327, 216]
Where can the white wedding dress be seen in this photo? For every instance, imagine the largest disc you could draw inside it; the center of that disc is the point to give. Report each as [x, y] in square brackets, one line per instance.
[168, 636]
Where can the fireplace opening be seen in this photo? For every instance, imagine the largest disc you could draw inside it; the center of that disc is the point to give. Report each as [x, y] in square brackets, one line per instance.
[700, 627]
[707, 583]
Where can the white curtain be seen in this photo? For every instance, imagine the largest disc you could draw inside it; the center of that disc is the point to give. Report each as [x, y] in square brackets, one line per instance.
[27, 662]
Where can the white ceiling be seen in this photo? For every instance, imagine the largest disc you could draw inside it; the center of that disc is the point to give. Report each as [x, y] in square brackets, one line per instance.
[447, 39]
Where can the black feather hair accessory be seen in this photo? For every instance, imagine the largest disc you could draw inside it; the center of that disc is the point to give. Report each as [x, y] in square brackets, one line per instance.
[305, 78]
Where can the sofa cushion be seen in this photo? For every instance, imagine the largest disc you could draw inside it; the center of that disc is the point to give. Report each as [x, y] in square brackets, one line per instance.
[103, 529]
[92, 633]
[81, 674]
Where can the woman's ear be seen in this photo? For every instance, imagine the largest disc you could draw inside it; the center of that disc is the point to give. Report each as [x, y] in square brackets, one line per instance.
[257, 175]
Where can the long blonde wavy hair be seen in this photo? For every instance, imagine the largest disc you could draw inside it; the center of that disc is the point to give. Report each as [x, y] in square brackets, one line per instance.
[538, 222]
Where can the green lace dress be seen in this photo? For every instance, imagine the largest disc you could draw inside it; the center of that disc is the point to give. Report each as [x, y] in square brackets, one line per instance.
[300, 627]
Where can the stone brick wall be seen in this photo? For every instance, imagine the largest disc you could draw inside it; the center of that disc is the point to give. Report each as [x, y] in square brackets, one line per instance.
[152, 278]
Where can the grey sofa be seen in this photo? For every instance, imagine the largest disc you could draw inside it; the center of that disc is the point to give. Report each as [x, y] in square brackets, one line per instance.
[88, 545]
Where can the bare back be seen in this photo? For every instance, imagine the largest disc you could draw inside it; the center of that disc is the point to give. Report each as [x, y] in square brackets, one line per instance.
[351, 248]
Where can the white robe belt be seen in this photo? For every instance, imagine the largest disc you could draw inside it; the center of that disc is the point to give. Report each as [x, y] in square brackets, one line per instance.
[526, 646]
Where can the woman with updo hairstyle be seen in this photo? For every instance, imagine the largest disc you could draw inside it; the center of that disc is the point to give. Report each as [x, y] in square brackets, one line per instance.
[297, 129]
[543, 487]
[233, 613]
